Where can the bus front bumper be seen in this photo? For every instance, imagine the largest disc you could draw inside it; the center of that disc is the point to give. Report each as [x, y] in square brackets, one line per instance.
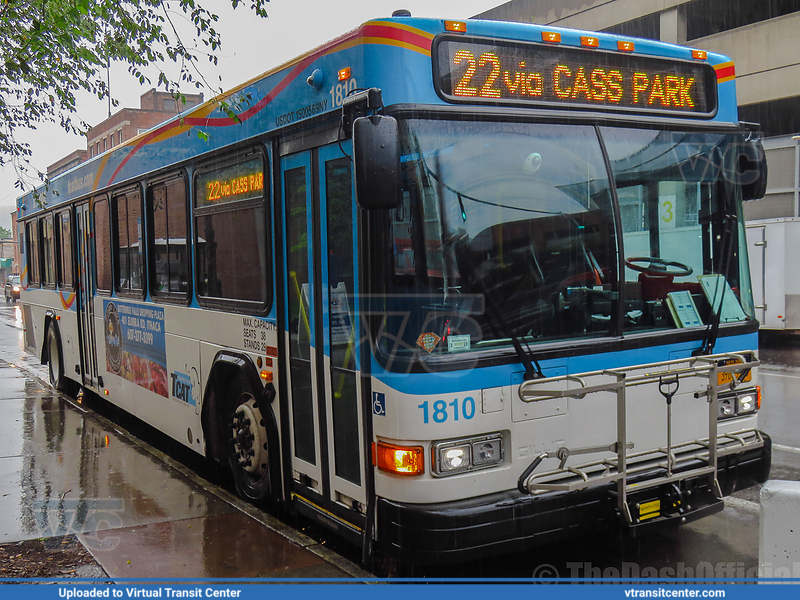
[511, 521]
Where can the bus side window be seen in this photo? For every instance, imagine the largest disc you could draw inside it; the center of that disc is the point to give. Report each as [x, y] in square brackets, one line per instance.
[128, 238]
[48, 251]
[64, 250]
[102, 244]
[167, 244]
[32, 238]
[231, 233]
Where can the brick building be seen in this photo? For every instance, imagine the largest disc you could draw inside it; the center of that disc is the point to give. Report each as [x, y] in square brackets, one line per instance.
[65, 164]
[154, 108]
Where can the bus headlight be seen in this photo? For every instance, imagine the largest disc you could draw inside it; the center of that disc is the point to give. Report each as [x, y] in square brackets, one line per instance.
[486, 452]
[455, 459]
[747, 403]
[451, 457]
[727, 407]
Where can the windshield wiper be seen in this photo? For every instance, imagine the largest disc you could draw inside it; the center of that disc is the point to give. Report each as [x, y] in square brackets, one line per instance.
[728, 226]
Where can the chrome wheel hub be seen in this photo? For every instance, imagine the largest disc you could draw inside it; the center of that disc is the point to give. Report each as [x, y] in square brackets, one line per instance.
[250, 439]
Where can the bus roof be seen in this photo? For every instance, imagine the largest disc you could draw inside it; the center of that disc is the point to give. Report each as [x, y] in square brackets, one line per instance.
[315, 83]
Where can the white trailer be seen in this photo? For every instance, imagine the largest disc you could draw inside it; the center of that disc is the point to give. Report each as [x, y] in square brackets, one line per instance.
[774, 249]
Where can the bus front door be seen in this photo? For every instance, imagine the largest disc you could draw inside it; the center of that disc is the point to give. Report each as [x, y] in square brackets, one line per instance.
[321, 296]
[85, 294]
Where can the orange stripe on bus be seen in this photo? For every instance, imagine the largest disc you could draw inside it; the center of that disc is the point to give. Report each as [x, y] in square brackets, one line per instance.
[67, 304]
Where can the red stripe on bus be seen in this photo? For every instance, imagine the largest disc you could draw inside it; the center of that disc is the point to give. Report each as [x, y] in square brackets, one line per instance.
[69, 301]
[394, 33]
[727, 72]
[381, 31]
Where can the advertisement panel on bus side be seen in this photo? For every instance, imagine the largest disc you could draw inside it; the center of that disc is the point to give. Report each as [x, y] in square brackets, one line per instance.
[136, 345]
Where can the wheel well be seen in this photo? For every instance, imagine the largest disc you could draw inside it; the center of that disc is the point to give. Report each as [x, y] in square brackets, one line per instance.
[226, 367]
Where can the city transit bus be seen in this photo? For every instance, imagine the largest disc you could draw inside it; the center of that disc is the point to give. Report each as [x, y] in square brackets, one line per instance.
[447, 288]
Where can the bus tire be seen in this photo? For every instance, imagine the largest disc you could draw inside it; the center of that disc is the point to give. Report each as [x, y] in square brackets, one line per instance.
[55, 361]
[248, 443]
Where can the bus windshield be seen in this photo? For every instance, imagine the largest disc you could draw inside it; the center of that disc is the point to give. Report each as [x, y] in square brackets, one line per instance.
[507, 231]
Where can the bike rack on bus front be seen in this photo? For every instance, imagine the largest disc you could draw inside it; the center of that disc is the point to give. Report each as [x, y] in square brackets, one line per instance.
[668, 458]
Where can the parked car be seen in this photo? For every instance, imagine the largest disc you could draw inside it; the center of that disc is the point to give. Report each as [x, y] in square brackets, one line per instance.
[12, 288]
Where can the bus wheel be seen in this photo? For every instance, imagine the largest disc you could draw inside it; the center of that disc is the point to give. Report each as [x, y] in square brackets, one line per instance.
[249, 458]
[54, 360]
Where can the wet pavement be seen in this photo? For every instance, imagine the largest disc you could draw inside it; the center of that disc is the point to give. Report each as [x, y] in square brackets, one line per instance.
[780, 384]
[65, 470]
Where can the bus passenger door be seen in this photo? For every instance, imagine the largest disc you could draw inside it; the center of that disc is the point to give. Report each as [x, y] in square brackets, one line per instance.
[320, 282]
[86, 294]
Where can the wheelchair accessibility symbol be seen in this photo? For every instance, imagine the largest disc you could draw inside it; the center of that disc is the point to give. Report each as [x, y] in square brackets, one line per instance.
[378, 404]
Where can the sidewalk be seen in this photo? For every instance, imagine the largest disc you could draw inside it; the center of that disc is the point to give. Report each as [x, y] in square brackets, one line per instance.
[66, 471]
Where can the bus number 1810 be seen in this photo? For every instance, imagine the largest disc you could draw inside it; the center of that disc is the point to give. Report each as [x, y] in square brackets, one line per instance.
[341, 90]
[442, 410]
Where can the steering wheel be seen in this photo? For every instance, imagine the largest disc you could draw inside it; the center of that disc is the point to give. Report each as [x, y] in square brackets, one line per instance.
[659, 267]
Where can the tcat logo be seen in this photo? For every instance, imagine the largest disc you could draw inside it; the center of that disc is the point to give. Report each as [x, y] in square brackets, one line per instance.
[183, 388]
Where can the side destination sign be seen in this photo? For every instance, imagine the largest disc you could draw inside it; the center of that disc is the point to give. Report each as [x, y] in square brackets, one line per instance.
[475, 70]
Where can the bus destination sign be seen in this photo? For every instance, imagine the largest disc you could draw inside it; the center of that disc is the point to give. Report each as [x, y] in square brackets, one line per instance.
[498, 72]
[239, 181]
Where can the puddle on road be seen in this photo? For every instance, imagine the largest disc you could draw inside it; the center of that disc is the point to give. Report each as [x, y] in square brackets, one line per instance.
[205, 548]
[62, 471]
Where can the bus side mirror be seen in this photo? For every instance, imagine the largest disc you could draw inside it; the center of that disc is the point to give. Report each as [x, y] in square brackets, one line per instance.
[376, 158]
[751, 169]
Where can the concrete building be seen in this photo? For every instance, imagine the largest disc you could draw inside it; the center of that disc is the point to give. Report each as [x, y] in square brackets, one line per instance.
[154, 108]
[759, 35]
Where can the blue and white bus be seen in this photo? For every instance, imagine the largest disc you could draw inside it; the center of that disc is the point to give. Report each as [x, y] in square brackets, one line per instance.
[448, 288]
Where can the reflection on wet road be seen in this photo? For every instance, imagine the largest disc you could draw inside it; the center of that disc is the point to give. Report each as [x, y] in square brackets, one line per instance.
[66, 472]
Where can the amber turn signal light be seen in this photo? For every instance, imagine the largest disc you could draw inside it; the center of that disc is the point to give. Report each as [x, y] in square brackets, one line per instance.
[456, 26]
[401, 460]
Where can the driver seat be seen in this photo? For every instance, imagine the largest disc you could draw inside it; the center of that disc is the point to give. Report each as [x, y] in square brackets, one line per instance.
[655, 287]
